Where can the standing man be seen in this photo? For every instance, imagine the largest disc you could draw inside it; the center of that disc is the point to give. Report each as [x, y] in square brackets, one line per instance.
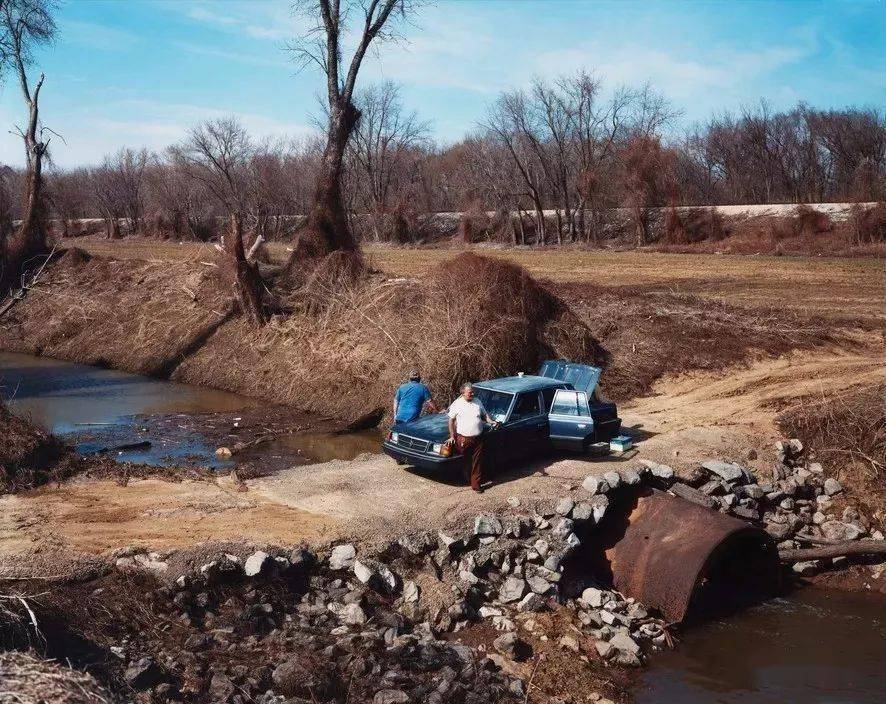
[466, 416]
[411, 398]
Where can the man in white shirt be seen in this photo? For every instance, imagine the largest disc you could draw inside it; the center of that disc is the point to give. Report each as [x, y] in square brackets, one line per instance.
[466, 416]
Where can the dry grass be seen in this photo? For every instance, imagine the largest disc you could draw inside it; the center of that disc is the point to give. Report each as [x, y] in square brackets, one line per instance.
[472, 318]
[29, 456]
[27, 679]
[132, 315]
[841, 287]
[848, 431]
[868, 225]
[693, 225]
[652, 335]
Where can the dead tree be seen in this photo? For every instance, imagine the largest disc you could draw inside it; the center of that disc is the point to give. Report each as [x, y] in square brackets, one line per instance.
[327, 229]
[217, 154]
[25, 24]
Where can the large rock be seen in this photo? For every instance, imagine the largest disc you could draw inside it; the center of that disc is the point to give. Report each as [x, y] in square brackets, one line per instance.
[841, 532]
[599, 504]
[375, 574]
[143, 674]
[832, 486]
[487, 525]
[564, 506]
[694, 495]
[531, 602]
[512, 590]
[727, 471]
[352, 615]
[411, 592]
[593, 597]
[629, 476]
[221, 687]
[507, 644]
[342, 557]
[255, 563]
[613, 479]
[539, 585]
[659, 471]
[390, 696]
[562, 528]
[622, 641]
[595, 485]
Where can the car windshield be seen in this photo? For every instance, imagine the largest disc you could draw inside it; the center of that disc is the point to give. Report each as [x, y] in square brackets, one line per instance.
[496, 403]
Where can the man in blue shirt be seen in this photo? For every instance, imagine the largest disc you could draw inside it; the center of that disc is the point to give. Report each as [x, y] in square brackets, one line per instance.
[411, 398]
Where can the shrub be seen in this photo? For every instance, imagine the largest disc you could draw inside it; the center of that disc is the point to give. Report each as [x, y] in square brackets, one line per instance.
[691, 225]
[808, 222]
[868, 225]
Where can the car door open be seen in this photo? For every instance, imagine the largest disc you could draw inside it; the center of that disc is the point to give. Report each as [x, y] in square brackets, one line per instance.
[571, 424]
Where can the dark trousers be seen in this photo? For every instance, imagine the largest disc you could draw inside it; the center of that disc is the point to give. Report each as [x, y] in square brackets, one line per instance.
[471, 448]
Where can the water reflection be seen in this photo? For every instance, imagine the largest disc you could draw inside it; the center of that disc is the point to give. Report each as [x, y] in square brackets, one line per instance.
[64, 397]
[815, 647]
[96, 408]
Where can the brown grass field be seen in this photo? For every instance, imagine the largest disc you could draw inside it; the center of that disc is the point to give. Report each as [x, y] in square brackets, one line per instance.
[834, 287]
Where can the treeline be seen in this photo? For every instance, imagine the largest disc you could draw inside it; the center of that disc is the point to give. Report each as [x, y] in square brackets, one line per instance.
[558, 155]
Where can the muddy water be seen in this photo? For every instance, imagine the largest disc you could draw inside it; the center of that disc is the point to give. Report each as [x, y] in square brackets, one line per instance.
[814, 647]
[96, 408]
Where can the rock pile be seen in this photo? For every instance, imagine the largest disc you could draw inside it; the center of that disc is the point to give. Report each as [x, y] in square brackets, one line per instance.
[795, 504]
[346, 616]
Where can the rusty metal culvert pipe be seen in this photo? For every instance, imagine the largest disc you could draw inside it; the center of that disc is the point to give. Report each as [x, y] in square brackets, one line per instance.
[665, 551]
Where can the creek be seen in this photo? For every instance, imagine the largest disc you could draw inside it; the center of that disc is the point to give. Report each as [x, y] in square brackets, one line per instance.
[815, 646]
[94, 409]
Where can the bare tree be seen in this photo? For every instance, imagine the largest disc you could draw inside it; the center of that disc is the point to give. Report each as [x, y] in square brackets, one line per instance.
[25, 24]
[327, 228]
[646, 178]
[67, 193]
[8, 178]
[385, 150]
[217, 153]
[127, 169]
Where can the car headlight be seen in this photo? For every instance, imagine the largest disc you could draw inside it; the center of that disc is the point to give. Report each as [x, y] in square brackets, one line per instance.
[437, 448]
[395, 437]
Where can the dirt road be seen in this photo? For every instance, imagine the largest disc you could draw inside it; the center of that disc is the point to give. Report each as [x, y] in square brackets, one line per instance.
[372, 499]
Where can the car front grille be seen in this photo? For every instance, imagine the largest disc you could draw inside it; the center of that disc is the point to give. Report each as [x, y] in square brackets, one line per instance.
[411, 443]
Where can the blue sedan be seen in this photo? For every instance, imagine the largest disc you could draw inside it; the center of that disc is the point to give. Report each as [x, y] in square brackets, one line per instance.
[558, 408]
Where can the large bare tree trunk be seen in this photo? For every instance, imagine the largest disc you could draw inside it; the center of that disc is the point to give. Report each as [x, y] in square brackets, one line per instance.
[247, 280]
[327, 229]
[30, 239]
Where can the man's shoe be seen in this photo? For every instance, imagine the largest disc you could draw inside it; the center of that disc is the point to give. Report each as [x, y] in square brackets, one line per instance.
[479, 489]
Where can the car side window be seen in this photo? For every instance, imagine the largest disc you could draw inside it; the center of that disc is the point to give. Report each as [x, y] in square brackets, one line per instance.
[547, 397]
[527, 406]
[565, 403]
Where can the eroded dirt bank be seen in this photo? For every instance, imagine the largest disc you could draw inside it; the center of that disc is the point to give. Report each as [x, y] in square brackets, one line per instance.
[171, 318]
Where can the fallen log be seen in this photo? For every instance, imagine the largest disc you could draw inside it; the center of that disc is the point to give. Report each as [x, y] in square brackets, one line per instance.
[140, 445]
[857, 547]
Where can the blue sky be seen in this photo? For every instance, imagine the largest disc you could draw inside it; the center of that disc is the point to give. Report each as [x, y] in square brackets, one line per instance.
[139, 72]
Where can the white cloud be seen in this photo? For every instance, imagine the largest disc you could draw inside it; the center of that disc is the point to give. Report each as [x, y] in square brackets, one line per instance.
[256, 20]
[97, 36]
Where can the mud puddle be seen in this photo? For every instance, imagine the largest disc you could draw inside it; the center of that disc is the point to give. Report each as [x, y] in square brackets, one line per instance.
[816, 646]
[159, 423]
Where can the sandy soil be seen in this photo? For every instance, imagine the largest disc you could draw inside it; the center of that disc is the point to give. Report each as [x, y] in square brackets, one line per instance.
[373, 499]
